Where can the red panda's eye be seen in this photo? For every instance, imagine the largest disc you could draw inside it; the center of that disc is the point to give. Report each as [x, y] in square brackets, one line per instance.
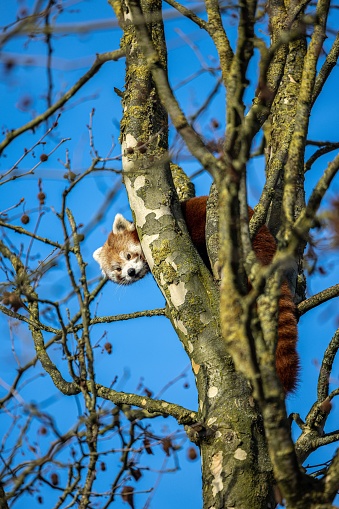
[128, 256]
[118, 269]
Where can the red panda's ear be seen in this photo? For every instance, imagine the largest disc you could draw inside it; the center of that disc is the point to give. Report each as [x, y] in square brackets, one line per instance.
[97, 255]
[121, 224]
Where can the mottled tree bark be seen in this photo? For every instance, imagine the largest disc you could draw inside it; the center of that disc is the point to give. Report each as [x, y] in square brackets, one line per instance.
[235, 467]
[242, 428]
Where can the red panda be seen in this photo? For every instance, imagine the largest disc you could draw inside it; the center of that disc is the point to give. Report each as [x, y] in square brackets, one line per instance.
[121, 259]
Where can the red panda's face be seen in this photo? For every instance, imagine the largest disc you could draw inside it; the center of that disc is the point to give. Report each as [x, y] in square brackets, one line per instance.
[121, 258]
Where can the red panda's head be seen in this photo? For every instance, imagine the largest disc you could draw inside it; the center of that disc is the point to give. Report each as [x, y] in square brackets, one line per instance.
[121, 258]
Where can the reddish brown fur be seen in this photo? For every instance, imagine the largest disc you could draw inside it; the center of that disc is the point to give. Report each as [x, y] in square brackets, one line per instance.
[118, 242]
[287, 361]
[121, 258]
[194, 211]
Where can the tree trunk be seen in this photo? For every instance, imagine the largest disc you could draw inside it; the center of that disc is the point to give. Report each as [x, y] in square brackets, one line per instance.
[235, 467]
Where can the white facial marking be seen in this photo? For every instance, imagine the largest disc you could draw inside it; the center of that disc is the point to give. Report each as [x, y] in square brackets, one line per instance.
[134, 249]
[133, 270]
[96, 254]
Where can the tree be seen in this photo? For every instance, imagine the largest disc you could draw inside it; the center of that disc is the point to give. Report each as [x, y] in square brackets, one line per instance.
[227, 327]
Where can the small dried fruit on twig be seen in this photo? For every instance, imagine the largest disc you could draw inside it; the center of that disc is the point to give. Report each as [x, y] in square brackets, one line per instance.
[166, 445]
[12, 299]
[108, 347]
[55, 479]
[127, 495]
[192, 454]
[25, 219]
[136, 473]
[41, 198]
[147, 444]
[148, 392]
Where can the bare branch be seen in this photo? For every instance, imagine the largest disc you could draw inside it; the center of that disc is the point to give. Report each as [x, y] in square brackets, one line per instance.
[317, 299]
[294, 164]
[99, 61]
[326, 367]
[188, 13]
[193, 140]
[331, 480]
[328, 65]
[181, 414]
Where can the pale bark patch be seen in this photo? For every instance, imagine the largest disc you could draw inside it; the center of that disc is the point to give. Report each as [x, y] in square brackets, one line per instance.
[137, 203]
[180, 325]
[178, 294]
[145, 244]
[240, 454]
[128, 142]
[139, 182]
[163, 210]
[211, 421]
[212, 392]
[195, 367]
[216, 469]
[170, 261]
[128, 15]
[204, 318]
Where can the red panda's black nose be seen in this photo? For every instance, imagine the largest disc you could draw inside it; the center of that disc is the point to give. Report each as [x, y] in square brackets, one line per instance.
[131, 272]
